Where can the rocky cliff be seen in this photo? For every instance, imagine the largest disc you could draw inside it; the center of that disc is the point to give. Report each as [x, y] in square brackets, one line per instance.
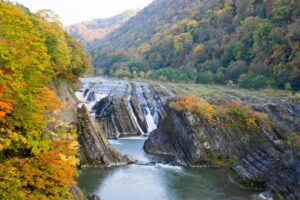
[267, 157]
[114, 115]
[121, 108]
[255, 135]
[95, 150]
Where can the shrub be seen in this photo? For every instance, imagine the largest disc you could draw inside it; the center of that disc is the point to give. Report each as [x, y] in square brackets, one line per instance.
[235, 69]
[242, 116]
[205, 77]
[251, 80]
[197, 106]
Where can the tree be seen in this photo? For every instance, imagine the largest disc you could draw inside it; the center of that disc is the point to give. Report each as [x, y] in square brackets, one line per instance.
[144, 48]
[35, 162]
[183, 42]
[235, 69]
[205, 77]
[251, 80]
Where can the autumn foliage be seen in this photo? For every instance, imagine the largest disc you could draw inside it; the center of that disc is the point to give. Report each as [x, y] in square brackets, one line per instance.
[36, 162]
[240, 116]
[197, 106]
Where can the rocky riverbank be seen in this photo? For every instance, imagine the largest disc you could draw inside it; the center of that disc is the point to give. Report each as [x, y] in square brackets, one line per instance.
[266, 158]
[256, 137]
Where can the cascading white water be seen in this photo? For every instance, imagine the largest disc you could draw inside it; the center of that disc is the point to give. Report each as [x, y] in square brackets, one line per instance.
[84, 98]
[151, 125]
[134, 117]
[156, 176]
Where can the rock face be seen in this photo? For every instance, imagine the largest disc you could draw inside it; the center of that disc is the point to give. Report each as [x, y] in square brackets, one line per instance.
[286, 182]
[274, 169]
[66, 94]
[114, 115]
[95, 150]
[129, 109]
[177, 137]
[263, 159]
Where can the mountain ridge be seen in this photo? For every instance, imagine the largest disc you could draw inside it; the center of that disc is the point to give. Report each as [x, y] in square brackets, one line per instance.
[250, 44]
[88, 31]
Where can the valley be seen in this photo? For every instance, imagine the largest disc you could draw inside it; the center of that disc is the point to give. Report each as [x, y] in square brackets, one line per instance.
[138, 116]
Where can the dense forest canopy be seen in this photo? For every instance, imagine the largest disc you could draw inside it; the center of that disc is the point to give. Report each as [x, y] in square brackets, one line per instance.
[252, 43]
[36, 161]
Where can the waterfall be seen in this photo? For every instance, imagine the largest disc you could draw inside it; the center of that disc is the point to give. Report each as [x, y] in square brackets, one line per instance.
[88, 95]
[95, 89]
[133, 115]
[151, 125]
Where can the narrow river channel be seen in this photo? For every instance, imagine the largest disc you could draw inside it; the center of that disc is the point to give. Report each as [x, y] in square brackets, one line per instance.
[151, 177]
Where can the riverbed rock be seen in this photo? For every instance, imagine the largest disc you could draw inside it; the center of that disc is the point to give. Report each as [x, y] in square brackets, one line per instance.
[93, 197]
[95, 150]
[137, 108]
[115, 118]
[210, 142]
[263, 158]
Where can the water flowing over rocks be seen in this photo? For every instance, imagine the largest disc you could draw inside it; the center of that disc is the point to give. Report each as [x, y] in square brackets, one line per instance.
[262, 159]
[257, 159]
[121, 108]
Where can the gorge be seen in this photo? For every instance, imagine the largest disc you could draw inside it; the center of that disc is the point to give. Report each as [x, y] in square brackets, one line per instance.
[131, 113]
[180, 100]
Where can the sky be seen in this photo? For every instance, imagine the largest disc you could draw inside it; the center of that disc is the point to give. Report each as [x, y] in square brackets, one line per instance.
[74, 11]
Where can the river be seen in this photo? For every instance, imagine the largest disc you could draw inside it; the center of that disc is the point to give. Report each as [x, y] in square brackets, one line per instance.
[153, 178]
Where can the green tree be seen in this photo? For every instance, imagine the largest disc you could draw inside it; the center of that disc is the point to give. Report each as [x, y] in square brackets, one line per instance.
[183, 42]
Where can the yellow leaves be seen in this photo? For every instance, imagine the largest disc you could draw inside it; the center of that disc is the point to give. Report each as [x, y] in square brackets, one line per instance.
[205, 109]
[31, 49]
[11, 138]
[72, 160]
[47, 100]
[144, 48]
[182, 41]
[41, 177]
[197, 106]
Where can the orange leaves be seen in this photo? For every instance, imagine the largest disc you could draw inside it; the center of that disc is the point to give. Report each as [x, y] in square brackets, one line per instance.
[5, 108]
[197, 106]
[5, 104]
[47, 100]
[31, 51]
[188, 103]
[46, 176]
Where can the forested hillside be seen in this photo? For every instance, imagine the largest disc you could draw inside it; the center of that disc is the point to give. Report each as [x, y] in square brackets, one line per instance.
[89, 31]
[252, 43]
[37, 160]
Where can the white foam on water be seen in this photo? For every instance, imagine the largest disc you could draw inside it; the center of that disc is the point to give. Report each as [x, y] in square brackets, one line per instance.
[80, 96]
[151, 125]
[134, 117]
[114, 141]
[167, 166]
[133, 138]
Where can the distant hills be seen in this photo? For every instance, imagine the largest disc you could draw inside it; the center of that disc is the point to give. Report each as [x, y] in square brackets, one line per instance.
[250, 43]
[89, 31]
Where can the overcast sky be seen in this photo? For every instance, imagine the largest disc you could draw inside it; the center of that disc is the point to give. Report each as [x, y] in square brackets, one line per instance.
[72, 11]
